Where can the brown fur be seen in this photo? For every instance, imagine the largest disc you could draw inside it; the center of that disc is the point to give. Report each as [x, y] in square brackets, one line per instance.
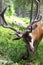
[37, 34]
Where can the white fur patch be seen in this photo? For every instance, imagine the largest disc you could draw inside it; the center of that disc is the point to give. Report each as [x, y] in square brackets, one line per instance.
[31, 43]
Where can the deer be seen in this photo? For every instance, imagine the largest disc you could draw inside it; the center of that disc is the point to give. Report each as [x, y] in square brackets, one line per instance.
[31, 36]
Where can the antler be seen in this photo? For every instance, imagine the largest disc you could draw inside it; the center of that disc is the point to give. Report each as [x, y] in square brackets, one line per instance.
[38, 16]
[2, 15]
[6, 25]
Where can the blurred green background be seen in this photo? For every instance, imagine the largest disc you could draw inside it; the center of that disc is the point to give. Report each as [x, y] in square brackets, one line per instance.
[18, 16]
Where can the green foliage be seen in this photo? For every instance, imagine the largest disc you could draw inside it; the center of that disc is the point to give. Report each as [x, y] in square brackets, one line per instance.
[10, 10]
[26, 20]
[2, 64]
[17, 51]
[21, 3]
[15, 64]
[11, 49]
[17, 4]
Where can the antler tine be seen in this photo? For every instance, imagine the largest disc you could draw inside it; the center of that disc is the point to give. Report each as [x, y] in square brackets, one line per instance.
[38, 16]
[2, 15]
[38, 19]
[17, 38]
[10, 27]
